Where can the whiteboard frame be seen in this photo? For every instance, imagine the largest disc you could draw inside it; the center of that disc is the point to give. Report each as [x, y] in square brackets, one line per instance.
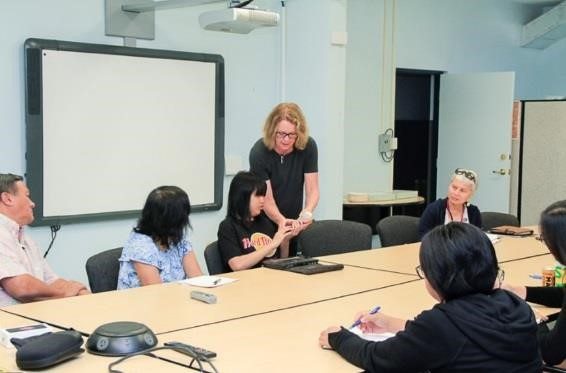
[33, 50]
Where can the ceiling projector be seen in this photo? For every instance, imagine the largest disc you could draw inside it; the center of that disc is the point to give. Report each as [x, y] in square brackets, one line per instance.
[238, 20]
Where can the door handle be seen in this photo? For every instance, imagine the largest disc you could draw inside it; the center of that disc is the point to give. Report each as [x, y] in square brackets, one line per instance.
[501, 172]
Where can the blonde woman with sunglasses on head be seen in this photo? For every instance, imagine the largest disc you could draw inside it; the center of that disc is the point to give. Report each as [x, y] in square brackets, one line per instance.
[455, 207]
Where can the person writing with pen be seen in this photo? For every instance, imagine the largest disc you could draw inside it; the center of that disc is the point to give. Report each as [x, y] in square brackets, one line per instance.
[475, 327]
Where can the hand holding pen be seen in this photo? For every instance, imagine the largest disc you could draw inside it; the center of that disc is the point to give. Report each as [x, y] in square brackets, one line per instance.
[358, 321]
[378, 322]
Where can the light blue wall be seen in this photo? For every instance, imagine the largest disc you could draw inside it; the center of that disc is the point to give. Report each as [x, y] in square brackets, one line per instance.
[338, 86]
[253, 87]
[460, 36]
[315, 78]
[364, 171]
[456, 36]
[547, 73]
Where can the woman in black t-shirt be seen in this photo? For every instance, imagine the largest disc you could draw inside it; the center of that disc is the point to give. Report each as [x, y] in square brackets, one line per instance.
[247, 236]
[286, 158]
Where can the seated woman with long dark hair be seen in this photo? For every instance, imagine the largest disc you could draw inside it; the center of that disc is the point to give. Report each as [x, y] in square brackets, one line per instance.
[475, 327]
[246, 237]
[553, 232]
[158, 250]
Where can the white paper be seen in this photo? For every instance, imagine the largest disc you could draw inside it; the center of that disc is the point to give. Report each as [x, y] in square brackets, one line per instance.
[207, 281]
[493, 238]
[375, 337]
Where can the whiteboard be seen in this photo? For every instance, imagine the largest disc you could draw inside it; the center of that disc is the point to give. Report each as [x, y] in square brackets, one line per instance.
[113, 123]
[542, 180]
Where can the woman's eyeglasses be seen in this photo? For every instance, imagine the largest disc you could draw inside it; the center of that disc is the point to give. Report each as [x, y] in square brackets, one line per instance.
[419, 271]
[470, 175]
[500, 276]
[281, 135]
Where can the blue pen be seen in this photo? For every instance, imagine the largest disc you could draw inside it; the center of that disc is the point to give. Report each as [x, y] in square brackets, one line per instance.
[359, 321]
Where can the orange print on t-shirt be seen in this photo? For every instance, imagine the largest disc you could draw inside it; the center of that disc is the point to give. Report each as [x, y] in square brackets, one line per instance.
[260, 240]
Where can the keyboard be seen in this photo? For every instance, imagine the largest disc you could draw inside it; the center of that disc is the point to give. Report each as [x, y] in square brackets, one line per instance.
[287, 263]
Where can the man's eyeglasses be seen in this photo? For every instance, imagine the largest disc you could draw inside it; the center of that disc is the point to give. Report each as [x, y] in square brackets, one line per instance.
[281, 135]
[419, 271]
[470, 175]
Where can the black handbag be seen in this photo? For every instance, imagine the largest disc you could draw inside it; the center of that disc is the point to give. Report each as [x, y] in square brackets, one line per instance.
[45, 350]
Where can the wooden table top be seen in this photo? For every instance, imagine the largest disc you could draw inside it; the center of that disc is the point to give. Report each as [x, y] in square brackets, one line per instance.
[404, 258]
[168, 307]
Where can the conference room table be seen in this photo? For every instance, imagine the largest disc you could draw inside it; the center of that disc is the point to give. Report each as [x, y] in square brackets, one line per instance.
[84, 363]
[280, 341]
[404, 258]
[527, 271]
[168, 307]
[255, 344]
[287, 340]
[267, 319]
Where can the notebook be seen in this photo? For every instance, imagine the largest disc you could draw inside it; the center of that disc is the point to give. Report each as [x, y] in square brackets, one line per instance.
[374, 337]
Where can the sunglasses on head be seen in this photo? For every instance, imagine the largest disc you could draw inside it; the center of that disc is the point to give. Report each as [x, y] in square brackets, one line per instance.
[466, 173]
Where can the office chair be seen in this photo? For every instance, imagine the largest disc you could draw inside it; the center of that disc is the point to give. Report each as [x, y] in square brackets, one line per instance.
[398, 230]
[495, 219]
[327, 237]
[213, 259]
[102, 270]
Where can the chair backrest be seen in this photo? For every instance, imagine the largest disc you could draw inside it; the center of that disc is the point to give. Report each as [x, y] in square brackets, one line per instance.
[398, 230]
[491, 219]
[213, 259]
[327, 237]
[102, 270]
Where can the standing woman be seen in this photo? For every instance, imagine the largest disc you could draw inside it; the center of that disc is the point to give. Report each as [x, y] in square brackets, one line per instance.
[245, 236]
[553, 232]
[455, 207]
[287, 159]
[157, 250]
